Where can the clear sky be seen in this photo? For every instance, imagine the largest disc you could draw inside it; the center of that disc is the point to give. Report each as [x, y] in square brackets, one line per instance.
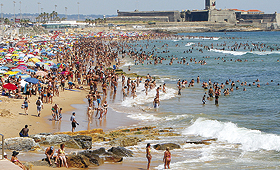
[109, 7]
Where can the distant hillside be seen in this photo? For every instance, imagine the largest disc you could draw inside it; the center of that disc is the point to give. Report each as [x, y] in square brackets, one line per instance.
[72, 17]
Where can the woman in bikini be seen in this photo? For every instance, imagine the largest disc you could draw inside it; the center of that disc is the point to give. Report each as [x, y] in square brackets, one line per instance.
[105, 108]
[148, 155]
[61, 155]
[15, 160]
[167, 158]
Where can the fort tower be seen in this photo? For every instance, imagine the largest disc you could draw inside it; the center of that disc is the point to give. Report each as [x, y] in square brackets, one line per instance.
[210, 4]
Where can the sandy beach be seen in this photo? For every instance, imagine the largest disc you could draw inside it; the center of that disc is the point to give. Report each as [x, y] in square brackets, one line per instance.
[13, 121]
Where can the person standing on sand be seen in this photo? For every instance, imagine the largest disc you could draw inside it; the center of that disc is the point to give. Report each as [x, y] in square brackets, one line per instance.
[25, 103]
[148, 155]
[73, 121]
[39, 104]
[105, 108]
[167, 158]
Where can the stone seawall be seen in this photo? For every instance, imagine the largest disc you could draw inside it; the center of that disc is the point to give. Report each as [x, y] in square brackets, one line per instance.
[195, 27]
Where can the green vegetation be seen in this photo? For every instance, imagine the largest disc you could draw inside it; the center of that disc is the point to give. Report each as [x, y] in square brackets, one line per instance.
[45, 17]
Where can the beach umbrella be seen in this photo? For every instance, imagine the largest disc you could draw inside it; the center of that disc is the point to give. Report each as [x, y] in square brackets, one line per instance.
[22, 67]
[23, 76]
[4, 68]
[35, 60]
[2, 71]
[14, 55]
[47, 67]
[39, 64]
[30, 70]
[11, 72]
[54, 67]
[30, 64]
[8, 55]
[61, 65]
[10, 86]
[41, 73]
[65, 72]
[16, 70]
[51, 54]
[32, 80]
[50, 63]
[30, 55]
[10, 65]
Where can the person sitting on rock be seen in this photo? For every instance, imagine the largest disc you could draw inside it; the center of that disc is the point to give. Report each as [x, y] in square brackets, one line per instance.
[15, 160]
[49, 153]
[24, 131]
[61, 155]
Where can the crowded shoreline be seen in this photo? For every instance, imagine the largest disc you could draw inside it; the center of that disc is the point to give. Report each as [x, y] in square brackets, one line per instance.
[127, 87]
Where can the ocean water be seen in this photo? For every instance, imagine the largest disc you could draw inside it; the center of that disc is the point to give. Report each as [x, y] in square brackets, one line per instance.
[245, 124]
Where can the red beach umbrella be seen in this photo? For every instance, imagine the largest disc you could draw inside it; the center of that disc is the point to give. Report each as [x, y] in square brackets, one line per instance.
[10, 86]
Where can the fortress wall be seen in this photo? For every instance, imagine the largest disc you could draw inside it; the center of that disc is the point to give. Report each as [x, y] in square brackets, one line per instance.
[137, 18]
[173, 16]
[278, 20]
[264, 17]
[222, 16]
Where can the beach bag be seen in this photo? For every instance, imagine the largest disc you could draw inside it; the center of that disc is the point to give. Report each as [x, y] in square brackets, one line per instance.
[38, 103]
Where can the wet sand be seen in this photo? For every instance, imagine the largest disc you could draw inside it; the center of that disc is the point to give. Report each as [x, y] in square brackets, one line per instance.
[112, 121]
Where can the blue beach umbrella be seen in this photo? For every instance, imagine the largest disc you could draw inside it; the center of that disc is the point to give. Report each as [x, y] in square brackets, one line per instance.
[17, 70]
[4, 68]
[32, 80]
[39, 64]
[30, 70]
[54, 67]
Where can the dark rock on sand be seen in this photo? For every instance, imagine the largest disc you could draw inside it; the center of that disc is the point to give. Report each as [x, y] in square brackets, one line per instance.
[84, 141]
[51, 139]
[125, 141]
[121, 151]
[205, 141]
[77, 142]
[43, 162]
[72, 144]
[93, 156]
[78, 161]
[163, 146]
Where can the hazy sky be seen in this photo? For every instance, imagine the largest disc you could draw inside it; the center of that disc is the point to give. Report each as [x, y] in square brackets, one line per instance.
[110, 7]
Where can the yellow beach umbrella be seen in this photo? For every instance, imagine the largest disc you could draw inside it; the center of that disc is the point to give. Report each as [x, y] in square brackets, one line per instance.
[35, 60]
[11, 72]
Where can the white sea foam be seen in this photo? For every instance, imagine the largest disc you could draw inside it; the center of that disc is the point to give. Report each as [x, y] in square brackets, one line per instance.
[204, 38]
[175, 117]
[143, 116]
[128, 64]
[245, 52]
[250, 140]
[189, 44]
[264, 52]
[142, 98]
[229, 52]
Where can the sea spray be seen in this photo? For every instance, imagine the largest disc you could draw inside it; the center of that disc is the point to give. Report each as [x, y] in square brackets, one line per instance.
[250, 140]
[142, 98]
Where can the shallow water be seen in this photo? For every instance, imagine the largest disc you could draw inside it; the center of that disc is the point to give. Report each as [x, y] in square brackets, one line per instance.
[245, 123]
